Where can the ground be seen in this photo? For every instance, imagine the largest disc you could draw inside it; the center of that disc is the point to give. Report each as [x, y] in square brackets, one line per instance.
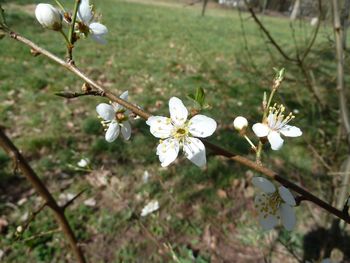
[156, 49]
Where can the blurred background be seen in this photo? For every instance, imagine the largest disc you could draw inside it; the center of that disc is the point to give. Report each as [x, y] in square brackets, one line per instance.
[158, 49]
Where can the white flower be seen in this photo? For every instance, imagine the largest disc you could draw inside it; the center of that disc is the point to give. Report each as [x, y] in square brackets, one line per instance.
[88, 26]
[48, 16]
[274, 205]
[115, 119]
[275, 124]
[83, 162]
[176, 132]
[150, 208]
[240, 123]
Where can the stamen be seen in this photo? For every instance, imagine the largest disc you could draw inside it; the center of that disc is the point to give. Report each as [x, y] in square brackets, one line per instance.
[277, 119]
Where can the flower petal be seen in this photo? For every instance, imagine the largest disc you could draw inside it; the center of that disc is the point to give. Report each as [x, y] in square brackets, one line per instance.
[124, 95]
[260, 130]
[275, 140]
[106, 111]
[168, 151]
[195, 151]
[268, 222]
[98, 29]
[202, 126]
[126, 130]
[99, 39]
[291, 131]
[287, 216]
[178, 111]
[286, 195]
[160, 127]
[84, 12]
[117, 107]
[112, 132]
[263, 184]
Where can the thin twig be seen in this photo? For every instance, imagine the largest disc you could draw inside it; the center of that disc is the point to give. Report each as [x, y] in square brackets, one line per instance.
[40, 187]
[32, 218]
[298, 61]
[41, 234]
[269, 36]
[71, 30]
[313, 38]
[72, 95]
[73, 199]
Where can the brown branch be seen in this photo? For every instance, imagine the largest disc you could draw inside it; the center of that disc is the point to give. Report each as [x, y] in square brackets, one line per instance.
[268, 35]
[71, 95]
[216, 149]
[42, 190]
[285, 182]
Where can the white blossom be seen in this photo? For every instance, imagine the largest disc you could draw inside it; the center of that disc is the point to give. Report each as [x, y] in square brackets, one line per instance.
[177, 132]
[274, 205]
[276, 124]
[240, 123]
[87, 25]
[115, 119]
[48, 16]
[150, 208]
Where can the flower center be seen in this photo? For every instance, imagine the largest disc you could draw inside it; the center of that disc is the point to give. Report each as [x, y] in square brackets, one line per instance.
[120, 116]
[180, 133]
[268, 204]
[83, 28]
[277, 119]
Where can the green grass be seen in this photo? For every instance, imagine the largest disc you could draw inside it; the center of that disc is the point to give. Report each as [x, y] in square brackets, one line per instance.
[155, 52]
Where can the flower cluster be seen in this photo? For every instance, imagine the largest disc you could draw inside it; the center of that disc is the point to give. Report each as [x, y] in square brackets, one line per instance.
[115, 119]
[51, 18]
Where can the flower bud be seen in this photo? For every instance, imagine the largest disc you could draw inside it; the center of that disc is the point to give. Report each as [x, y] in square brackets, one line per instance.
[240, 123]
[48, 16]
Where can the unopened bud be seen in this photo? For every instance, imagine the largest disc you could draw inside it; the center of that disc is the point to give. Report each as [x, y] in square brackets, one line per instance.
[240, 123]
[86, 88]
[48, 16]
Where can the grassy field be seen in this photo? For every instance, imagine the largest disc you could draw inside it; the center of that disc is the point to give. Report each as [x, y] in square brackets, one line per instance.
[156, 50]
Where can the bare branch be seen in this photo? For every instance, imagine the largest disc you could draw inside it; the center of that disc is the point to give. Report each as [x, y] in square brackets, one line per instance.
[39, 186]
[32, 217]
[72, 95]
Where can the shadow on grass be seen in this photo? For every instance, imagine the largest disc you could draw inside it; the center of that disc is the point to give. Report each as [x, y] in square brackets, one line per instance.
[325, 240]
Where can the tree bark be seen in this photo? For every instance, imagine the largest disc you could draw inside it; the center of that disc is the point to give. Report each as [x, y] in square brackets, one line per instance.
[296, 10]
[344, 20]
[204, 7]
